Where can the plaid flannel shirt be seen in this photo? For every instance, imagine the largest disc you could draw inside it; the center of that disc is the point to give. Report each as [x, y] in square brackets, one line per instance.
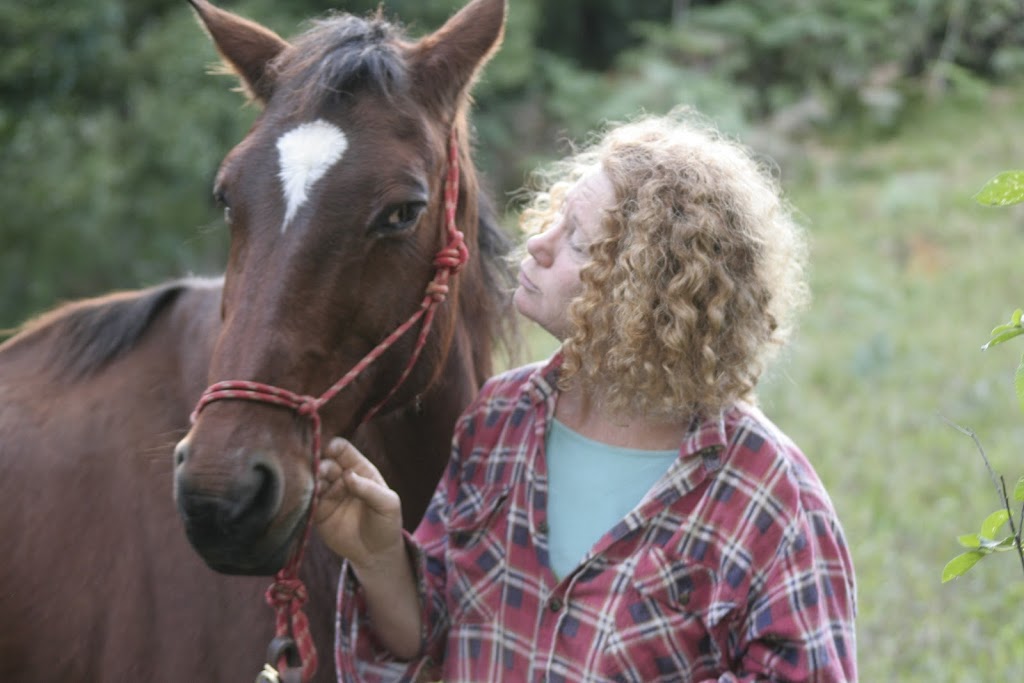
[733, 567]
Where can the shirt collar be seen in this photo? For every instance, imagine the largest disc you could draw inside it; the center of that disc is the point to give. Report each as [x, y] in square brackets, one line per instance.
[543, 382]
[706, 436]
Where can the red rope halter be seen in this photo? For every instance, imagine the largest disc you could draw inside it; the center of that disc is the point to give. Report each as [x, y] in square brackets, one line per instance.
[287, 594]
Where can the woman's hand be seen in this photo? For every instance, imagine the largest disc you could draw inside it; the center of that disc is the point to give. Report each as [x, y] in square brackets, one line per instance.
[357, 514]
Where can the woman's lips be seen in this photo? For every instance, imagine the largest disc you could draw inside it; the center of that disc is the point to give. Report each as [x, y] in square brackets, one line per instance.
[526, 283]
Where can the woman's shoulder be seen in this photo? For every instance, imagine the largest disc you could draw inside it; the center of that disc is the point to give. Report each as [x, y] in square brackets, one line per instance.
[501, 395]
[514, 377]
[539, 377]
[761, 451]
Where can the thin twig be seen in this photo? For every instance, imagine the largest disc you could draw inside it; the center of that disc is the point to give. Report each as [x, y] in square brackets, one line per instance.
[977, 442]
[1013, 527]
[1022, 529]
[997, 480]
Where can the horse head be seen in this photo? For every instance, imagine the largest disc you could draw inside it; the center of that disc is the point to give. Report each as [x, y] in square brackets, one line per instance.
[335, 203]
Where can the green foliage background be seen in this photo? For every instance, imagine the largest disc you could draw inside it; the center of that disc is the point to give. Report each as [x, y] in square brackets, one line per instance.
[111, 132]
[884, 116]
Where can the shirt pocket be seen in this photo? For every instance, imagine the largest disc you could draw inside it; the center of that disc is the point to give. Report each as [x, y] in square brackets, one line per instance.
[672, 624]
[477, 530]
[676, 586]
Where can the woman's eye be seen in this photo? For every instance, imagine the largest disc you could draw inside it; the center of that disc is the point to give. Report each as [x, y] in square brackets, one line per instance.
[400, 217]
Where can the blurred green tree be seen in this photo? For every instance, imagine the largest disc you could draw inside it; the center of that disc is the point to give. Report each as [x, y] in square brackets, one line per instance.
[111, 130]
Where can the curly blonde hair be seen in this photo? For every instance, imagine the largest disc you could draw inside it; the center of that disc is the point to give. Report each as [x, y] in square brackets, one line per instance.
[697, 279]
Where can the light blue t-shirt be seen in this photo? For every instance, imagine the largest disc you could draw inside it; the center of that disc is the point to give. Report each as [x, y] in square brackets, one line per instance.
[591, 487]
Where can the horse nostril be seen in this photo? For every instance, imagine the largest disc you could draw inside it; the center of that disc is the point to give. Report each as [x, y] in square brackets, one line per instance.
[266, 490]
[180, 454]
[256, 504]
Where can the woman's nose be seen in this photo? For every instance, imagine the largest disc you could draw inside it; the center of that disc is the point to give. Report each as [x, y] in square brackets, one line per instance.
[539, 247]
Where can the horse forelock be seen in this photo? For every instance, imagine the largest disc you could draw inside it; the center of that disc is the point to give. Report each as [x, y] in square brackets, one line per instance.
[339, 56]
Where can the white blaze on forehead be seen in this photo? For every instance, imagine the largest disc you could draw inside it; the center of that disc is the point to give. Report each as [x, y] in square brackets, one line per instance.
[305, 154]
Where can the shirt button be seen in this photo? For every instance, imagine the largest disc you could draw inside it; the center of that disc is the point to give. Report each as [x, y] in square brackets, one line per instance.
[555, 604]
[542, 527]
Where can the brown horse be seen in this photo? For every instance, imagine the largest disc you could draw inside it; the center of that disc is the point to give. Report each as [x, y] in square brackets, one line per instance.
[336, 216]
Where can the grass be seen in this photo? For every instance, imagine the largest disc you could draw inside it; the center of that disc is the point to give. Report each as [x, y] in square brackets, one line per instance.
[909, 275]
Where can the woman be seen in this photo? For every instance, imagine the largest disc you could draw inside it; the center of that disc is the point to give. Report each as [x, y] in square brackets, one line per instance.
[622, 511]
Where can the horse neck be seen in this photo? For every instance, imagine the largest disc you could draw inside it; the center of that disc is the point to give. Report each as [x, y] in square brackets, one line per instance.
[89, 337]
[196, 321]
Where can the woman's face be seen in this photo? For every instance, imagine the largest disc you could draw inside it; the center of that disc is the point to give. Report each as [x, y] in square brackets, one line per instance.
[549, 277]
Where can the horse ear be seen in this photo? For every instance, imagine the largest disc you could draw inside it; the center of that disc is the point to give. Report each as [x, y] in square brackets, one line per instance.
[245, 47]
[447, 61]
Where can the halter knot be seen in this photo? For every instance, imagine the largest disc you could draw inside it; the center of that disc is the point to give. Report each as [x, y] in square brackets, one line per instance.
[454, 255]
[287, 592]
[437, 292]
[307, 406]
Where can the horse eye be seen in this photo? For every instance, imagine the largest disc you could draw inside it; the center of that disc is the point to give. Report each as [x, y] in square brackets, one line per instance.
[222, 200]
[399, 217]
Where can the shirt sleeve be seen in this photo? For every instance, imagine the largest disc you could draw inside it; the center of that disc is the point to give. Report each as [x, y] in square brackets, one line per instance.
[359, 656]
[431, 543]
[800, 626]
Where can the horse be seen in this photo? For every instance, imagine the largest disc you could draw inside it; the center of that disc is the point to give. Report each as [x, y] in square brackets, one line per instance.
[132, 558]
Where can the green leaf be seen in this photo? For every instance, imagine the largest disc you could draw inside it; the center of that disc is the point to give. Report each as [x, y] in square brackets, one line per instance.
[1018, 385]
[1018, 490]
[1008, 543]
[1001, 337]
[959, 565]
[1014, 322]
[993, 523]
[1003, 190]
[989, 546]
[969, 540]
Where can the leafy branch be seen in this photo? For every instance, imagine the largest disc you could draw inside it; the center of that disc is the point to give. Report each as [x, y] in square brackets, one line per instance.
[984, 542]
[1005, 189]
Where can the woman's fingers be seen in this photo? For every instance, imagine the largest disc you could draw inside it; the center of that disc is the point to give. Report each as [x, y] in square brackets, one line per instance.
[357, 514]
[330, 483]
[331, 490]
[348, 457]
[344, 471]
[377, 496]
[329, 471]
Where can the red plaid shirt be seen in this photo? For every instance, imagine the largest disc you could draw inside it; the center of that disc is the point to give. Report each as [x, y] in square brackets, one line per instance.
[733, 568]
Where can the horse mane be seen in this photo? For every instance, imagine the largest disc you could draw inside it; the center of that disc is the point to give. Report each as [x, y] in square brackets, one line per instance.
[341, 54]
[86, 335]
[495, 249]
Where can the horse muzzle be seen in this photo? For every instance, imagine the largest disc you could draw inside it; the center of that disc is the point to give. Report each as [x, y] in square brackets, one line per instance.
[234, 520]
